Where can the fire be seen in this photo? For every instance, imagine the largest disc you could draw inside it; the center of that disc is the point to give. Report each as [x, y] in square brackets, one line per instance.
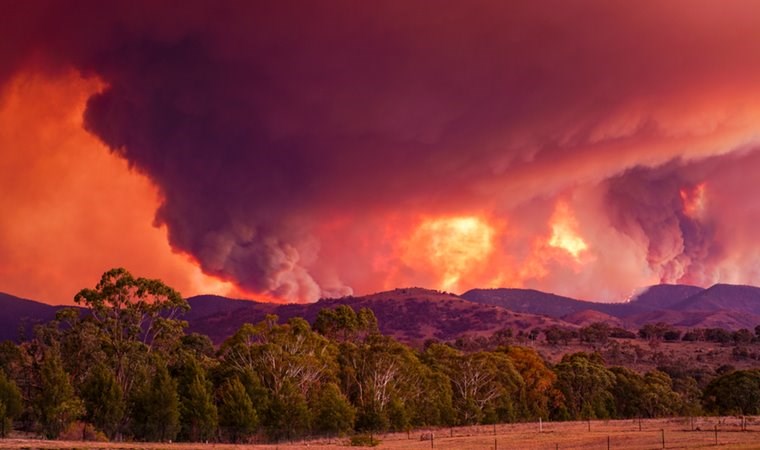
[451, 246]
[694, 200]
[565, 232]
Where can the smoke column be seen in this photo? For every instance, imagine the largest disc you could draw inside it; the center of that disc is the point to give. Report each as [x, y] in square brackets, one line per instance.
[308, 149]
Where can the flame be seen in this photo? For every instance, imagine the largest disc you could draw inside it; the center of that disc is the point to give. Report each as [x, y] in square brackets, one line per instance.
[450, 246]
[565, 231]
[694, 200]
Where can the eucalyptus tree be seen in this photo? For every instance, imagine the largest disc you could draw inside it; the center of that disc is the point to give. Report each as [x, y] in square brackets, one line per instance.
[584, 382]
[290, 361]
[485, 386]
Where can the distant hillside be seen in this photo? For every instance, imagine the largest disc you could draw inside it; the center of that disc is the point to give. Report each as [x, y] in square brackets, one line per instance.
[723, 297]
[589, 316]
[19, 315]
[414, 315]
[723, 305]
[411, 315]
[537, 302]
[663, 296]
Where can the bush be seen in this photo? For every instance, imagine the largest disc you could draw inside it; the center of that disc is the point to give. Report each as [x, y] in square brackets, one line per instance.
[364, 440]
[78, 431]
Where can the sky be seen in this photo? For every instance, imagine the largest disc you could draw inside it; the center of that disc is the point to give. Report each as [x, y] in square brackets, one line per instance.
[291, 150]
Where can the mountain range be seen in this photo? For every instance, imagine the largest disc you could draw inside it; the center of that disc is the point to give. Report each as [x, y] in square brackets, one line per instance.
[414, 315]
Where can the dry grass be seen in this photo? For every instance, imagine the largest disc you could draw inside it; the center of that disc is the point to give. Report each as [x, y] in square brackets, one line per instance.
[622, 434]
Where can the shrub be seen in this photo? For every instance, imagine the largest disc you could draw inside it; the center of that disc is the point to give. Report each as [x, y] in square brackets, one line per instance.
[78, 431]
[364, 440]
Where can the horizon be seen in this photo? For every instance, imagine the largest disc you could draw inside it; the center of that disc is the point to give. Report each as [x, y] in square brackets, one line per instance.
[287, 152]
[638, 293]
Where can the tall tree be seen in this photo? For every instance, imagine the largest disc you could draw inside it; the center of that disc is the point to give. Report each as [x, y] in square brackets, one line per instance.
[133, 317]
[104, 400]
[10, 404]
[736, 392]
[156, 410]
[628, 390]
[585, 383]
[659, 399]
[198, 412]
[56, 405]
[375, 372]
[288, 415]
[485, 385]
[332, 412]
[281, 353]
[538, 378]
[237, 417]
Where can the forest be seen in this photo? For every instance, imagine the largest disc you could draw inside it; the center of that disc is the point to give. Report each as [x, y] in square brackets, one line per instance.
[125, 369]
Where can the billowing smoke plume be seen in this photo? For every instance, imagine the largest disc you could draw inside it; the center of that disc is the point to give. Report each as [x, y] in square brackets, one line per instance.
[297, 146]
[661, 208]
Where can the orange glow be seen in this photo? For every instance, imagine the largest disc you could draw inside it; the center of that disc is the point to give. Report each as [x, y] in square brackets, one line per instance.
[452, 247]
[694, 200]
[71, 209]
[565, 232]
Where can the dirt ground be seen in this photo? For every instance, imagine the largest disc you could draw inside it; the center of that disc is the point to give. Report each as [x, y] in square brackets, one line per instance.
[681, 433]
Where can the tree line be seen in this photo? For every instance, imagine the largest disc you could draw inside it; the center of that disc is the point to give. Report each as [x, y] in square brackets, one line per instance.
[126, 369]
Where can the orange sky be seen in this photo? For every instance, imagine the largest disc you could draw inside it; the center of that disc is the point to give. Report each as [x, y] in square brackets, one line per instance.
[71, 209]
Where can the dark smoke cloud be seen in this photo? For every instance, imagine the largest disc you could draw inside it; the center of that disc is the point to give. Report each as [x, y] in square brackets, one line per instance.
[262, 121]
[648, 205]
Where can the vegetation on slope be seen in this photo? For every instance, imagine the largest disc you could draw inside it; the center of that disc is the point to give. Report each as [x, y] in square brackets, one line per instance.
[126, 369]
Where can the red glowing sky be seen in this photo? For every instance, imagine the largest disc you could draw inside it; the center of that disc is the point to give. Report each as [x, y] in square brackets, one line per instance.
[287, 152]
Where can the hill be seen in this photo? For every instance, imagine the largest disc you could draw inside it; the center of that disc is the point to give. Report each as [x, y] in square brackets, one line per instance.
[722, 305]
[414, 315]
[411, 315]
[536, 302]
[663, 296]
[20, 315]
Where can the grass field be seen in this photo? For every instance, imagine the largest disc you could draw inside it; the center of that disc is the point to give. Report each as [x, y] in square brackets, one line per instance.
[613, 434]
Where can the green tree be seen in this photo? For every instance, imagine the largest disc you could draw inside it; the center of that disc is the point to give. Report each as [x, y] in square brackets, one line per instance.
[56, 404]
[103, 400]
[290, 353]
[340, 323]
[595, 333]
[332, 412]
[198, 413]
[156, 409]
[585, 383]
[376, 371]
[659, 399]
[688, 390]
[10, 404]
[736, 392]
[485, 385]
[236, 414]
[131, 319]
[628, 390]
[288, 415]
